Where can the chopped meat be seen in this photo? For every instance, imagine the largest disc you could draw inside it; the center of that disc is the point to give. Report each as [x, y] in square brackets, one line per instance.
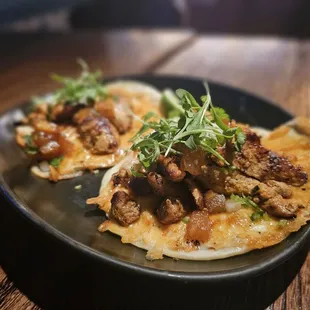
[124, 210]
[262, 164]
[117, 112]
[157, 182]
[199, 226]
[47, 127]
[34, 117]
[228, 183]
[268, 194]
[170, 211]
[140, 186]
[213, 177]
[280, 207]
[193, 161]
[122, 178]
[226, 152]
[196, 193]
[64, 112]
[281, 188]
[163, 187]
[237, 183]
[170, 167]
[98, 135]
[213, 202]
[83, 114]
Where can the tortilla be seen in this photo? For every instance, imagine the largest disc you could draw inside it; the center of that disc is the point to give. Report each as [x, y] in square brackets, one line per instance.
[142, 99]
[233, 232]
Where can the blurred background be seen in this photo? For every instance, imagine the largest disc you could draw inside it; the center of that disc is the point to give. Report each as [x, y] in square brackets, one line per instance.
[263, 17]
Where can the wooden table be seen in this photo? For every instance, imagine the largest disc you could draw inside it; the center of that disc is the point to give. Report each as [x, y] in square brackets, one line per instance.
[277, 69]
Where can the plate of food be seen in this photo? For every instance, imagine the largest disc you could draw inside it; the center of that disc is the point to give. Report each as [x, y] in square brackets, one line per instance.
[170, 177]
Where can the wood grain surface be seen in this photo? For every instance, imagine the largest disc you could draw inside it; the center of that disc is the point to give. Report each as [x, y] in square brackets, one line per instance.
[273, 68]
[276, 69]
[26, 71]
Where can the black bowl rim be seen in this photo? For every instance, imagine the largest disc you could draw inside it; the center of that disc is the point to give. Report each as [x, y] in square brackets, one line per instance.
[188, 277]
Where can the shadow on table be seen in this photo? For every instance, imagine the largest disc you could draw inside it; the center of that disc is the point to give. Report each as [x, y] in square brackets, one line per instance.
[57, 277]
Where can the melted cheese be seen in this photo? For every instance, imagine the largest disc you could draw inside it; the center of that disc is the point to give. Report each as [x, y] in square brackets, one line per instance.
[233, 233]
[141, 99]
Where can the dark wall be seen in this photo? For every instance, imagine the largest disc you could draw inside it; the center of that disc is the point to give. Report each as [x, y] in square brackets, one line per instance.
[280, 17]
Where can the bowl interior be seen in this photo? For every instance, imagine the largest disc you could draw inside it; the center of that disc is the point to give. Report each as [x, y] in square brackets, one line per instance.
[64, 208]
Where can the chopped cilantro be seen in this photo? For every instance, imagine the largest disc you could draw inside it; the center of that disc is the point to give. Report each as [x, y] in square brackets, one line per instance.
[85, 89]
[55, 162]
[266, 217]
[248, 202]
[258, 215]
[185, 219]
[282, 223]
[136, 173]
[115, 98]
[30, 147]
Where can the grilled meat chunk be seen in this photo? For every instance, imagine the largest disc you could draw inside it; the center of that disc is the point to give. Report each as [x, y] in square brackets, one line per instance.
[163, 187]
[257, 162]
[266, 194]
[213, 177]
[157, 182]
[213, 202]
[117, 112]
[170, 168]
[98, 135]
[281, 188]
[64, 112]
[196, 193]
[34, 117]
[280, 207]
[140, 186]
[170, 211]
[124, 210]
[121, 178]
[82, 114]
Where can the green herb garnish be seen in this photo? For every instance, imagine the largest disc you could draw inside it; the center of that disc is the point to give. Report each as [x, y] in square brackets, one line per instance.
[136, 173]
[85, 89]
[55, 162]
[248, 202]
[256, 216]
[197, 126]
[30, 147]
[282, 223]
[185, 219]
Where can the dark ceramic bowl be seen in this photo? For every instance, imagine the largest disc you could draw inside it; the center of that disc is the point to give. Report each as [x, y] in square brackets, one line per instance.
[60, 210]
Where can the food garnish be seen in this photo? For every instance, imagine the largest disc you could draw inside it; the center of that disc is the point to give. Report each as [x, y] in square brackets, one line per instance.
[198, 126]
[55, 162]
[248, 202]
[83, 90]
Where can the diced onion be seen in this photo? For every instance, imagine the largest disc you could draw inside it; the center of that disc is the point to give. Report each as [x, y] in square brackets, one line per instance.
[232, 206]
[44, 166]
